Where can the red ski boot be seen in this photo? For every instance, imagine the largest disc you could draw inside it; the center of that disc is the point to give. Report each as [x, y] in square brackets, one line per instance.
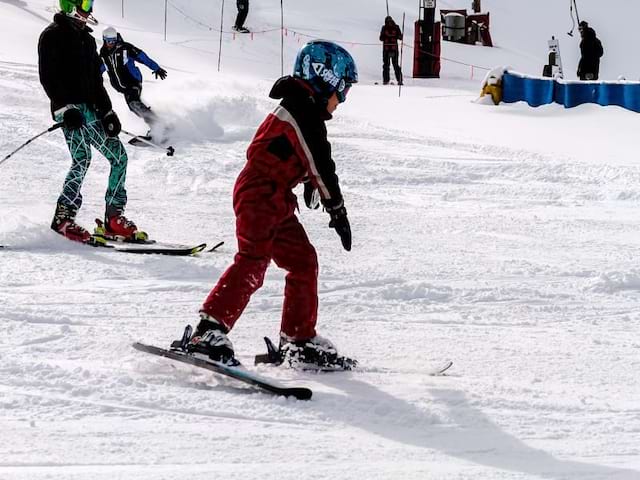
[64, 223]
[118, 227]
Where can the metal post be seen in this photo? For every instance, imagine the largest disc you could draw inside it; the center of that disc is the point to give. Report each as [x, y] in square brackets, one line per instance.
[122, 8]
[281, 38]
[221, 26]
[575, 4]
[165, 20]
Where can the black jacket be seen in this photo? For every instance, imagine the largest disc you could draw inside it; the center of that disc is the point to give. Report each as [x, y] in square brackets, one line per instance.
[389, 36]
[69, 66]
[591, 51]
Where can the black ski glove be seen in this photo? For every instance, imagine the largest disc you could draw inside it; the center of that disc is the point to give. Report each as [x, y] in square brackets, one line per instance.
[311, 196]
[340, 223]
[111, 124]
[73, 119]
[160, 72]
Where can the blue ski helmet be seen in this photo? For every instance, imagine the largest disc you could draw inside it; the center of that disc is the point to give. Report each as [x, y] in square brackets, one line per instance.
[327, 67]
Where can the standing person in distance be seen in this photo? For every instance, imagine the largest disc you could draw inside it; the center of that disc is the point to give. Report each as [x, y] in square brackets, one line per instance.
[289, 147]
[590, 53]
[119, 60]
[243, 11]
[390, 34]
[69, 67]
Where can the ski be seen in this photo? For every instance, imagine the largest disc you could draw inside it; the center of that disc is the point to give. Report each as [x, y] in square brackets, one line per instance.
[175, 251]
[441, 369]
[237, 372]
[102, 238]
[145, 142]
[273, 357]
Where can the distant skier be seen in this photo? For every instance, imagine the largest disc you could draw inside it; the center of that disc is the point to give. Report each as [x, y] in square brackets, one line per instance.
[243, 11]
[390, 34]
[69, 68]
[591, 51]
[120, 59]
[289, 147]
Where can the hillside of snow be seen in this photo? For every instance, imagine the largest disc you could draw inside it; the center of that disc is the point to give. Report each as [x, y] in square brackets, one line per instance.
[502, 238]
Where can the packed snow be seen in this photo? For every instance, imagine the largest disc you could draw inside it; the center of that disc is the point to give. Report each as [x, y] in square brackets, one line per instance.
[502, 238]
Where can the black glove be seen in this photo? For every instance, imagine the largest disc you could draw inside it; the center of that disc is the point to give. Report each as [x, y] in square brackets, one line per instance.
[311, 196]
[340, 222]
[160, 72]
[73, 119]
[111, 124]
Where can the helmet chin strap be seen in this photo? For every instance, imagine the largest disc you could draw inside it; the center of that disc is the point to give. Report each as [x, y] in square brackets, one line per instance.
[89, 18]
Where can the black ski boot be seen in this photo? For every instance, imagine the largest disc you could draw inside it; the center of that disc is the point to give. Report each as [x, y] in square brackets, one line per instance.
[210, 339]
[316, 353]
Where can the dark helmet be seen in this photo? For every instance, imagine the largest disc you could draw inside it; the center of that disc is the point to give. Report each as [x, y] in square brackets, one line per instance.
[326, 67]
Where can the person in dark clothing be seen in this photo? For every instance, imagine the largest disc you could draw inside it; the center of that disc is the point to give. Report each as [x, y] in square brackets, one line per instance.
[243, 11]
[389, 36]
[69, 68]
[591, 51]
[289, 147]
[119, 60]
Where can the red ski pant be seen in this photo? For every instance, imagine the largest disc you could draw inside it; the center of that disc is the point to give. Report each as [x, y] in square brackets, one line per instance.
[264, 233]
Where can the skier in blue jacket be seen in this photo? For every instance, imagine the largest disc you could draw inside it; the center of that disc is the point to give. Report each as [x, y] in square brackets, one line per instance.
[119, 60]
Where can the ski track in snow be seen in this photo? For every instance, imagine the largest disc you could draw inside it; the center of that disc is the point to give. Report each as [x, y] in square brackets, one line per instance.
[516, 264]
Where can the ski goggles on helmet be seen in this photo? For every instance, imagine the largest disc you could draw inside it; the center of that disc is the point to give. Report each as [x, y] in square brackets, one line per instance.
[342, 93]
[86, 6]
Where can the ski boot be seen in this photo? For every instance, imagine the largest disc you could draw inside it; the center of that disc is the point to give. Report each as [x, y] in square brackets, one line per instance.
[241, 29]
[117, 227]
[64, 223]
[316, 353]
[210, 340]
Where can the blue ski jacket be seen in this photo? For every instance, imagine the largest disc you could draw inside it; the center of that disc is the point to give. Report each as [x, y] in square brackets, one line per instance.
[120, 63]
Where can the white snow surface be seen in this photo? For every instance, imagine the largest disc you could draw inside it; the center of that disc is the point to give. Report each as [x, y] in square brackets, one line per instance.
[504, 238]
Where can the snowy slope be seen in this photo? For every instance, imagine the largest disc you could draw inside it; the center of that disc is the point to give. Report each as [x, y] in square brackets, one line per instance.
[504, 238]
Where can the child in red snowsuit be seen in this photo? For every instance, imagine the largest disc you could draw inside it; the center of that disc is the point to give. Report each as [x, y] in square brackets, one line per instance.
[289, 147]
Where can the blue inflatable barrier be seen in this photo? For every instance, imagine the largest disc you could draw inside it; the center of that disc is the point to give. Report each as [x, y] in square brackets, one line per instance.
[542, 91]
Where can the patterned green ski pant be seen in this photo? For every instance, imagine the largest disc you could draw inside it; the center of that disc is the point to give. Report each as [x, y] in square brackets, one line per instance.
[79, 143]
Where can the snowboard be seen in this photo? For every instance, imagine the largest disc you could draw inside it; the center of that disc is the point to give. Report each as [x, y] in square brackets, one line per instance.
[235, 372]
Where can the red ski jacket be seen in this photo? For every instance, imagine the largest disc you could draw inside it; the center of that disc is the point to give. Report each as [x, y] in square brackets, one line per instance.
[289, 147]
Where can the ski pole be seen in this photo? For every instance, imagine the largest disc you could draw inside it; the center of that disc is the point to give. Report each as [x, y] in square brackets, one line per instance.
[50, 129]
[169, 150]
[401, 51]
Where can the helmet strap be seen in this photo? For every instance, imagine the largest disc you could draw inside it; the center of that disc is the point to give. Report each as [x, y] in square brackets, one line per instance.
[82, 19]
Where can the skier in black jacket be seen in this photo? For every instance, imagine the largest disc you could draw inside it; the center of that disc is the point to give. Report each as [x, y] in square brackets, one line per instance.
[69, 68]
[591, 51]
[389, 36]
[120, 59]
